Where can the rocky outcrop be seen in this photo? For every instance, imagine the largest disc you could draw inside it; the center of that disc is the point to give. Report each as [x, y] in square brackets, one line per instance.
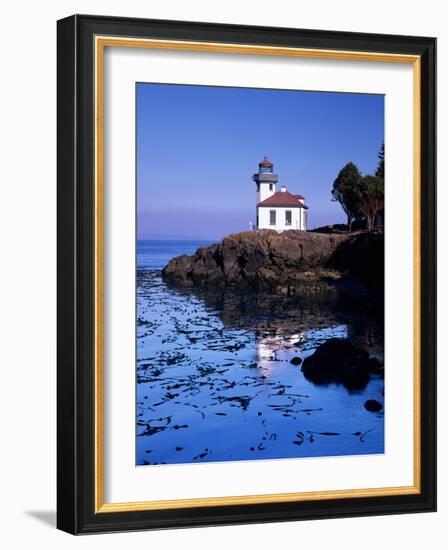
[340, 362]
[291, 262]
[372, 405]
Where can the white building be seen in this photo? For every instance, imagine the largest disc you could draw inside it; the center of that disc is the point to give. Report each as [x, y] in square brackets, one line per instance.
[279, 210]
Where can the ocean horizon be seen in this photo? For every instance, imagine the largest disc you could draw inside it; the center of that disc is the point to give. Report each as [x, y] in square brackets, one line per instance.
[156, 253]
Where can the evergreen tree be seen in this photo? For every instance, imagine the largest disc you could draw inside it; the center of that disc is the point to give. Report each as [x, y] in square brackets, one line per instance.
[380, 168]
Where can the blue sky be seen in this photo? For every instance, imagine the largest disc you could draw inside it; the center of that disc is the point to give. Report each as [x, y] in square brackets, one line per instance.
[198, 146]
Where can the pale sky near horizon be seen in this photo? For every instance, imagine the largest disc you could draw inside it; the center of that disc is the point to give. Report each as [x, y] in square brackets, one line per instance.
[198, 146]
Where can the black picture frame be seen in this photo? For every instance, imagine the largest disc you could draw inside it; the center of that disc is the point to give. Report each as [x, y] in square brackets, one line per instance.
[76, 263]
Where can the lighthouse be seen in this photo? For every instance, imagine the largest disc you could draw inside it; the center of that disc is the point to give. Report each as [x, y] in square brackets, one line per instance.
[278, 210]
[265, 180]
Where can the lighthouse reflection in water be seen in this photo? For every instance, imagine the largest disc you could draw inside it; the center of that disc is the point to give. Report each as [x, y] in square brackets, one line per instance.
[219, 373]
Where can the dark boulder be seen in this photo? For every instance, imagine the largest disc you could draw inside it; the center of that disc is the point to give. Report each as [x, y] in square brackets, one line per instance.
[296, 361]
[372, 405]
[339, 361]
[376, 367]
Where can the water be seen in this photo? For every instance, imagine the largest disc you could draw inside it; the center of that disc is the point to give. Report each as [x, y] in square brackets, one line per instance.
[214, 378]
[156, 254]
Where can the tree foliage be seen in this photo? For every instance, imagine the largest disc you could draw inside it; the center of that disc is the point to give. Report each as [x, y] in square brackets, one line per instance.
[346, 190]
[360, 196]
[371, 198]
[380, 168]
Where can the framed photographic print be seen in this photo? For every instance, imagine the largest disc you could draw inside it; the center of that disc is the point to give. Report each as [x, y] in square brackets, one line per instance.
[246, 267]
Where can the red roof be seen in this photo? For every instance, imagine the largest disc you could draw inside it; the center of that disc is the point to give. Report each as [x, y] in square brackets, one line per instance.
[265, 162]
[282, 198]
[298, 196]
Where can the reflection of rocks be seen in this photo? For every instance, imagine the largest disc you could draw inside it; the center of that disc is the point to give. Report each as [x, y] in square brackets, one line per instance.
[217, 361]
[293, 262]
[284, 322]
[267, 312]
[287, 324]
[339, 361]
[270, 314]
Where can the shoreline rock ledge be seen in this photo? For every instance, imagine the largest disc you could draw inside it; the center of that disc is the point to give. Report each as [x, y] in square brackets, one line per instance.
[292, 262]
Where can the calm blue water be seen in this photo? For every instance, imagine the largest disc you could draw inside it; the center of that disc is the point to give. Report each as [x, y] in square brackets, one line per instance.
[156, 254]
[214, 378]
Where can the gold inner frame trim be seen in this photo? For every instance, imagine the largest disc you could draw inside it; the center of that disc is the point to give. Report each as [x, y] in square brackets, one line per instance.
[101, 42]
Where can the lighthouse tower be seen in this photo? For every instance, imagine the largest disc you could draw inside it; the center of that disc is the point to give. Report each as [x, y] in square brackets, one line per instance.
[280, 210]
[265, 180]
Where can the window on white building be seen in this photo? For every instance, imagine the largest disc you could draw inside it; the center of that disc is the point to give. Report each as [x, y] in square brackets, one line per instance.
[288, 217]
[271, 186]
[272, 220]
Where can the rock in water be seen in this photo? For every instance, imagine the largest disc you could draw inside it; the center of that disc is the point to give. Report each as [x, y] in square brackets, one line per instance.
[372, 405]
[338, 361]
[291, 262]
[295, 361]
